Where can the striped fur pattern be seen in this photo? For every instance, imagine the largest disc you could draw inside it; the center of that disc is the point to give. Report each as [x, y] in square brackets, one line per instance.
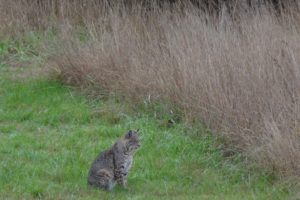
[112, 166]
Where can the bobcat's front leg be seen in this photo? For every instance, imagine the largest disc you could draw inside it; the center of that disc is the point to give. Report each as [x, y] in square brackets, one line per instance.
[120, 170]
[121, 177]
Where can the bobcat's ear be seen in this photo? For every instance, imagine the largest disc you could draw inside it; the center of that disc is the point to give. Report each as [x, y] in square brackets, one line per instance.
[129, 134]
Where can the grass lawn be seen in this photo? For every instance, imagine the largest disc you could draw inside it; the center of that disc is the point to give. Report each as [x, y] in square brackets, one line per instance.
[50, 134]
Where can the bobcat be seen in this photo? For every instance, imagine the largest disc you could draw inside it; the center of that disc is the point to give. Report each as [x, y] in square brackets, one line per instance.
[111, 166]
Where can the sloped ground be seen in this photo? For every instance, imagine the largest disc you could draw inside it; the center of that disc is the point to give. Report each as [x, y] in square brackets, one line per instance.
[50, 134]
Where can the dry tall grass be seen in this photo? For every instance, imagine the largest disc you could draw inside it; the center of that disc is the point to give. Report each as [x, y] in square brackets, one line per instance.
[239, 76]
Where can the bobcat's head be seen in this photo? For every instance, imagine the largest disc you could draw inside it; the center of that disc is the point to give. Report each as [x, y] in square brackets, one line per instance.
[132, 141]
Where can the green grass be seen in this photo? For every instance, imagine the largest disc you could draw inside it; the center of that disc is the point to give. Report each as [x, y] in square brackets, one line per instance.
[50, 134]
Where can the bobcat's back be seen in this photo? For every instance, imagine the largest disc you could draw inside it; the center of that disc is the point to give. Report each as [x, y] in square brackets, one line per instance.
[101, 173]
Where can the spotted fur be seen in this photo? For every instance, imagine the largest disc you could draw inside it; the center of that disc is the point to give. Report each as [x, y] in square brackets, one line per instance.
[112, 166]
